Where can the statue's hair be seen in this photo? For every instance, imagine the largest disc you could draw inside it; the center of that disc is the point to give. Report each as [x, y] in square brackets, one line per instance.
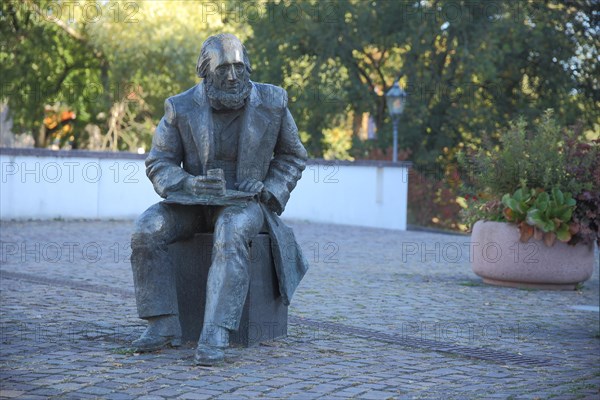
[210, 46]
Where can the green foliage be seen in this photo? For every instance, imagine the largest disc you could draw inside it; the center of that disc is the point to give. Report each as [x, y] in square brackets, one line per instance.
[584, 167]
[137, 53]
[42, 63]
[540, 214]
[465, 75]
[337, 142]
[154, 46]
[518, 205]
[476, 209]
[552, 213]
[432, 201]
[523, 157]
[552, 168]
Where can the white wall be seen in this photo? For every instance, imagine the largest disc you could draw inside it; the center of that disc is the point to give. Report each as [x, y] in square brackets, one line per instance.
[351, 194]
[43, 184]
[43, 187]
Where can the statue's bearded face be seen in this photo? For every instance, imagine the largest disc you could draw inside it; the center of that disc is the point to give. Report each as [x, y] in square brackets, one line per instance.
[228, 82]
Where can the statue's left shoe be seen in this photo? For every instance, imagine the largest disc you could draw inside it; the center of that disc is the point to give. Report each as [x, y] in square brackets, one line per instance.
[208, 355]
[211, 346]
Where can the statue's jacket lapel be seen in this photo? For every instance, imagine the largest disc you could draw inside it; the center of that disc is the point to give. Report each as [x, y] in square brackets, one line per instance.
[253, 146]
[201, 128]
[254, 149]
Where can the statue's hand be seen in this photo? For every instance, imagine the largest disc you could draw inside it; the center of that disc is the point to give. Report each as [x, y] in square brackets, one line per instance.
[269, 200]
[201, 184]
[250, 185]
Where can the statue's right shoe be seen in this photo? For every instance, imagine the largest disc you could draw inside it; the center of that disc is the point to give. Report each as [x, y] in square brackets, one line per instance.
[160, 333]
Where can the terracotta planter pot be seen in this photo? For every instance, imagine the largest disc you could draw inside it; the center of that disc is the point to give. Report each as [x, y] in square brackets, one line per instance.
[501, 259]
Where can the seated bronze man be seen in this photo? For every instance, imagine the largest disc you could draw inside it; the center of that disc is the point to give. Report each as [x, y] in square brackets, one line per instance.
[225, 157]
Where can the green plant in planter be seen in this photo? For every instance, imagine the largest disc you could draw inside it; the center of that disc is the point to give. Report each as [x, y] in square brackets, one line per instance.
[541, 215]
[562, 166]
[516, 208]
[552, 215]
[518, 205]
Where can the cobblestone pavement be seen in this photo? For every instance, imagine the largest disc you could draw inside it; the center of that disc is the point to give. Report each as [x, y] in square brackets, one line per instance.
[380, 315]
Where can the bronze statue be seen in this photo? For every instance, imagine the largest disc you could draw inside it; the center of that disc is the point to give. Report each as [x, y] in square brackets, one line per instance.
[225, 157]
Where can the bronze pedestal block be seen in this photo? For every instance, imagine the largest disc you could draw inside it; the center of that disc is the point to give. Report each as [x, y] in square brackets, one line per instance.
[265, 315]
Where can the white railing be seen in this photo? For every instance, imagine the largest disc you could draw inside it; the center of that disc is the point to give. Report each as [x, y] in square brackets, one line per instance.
[45, 184]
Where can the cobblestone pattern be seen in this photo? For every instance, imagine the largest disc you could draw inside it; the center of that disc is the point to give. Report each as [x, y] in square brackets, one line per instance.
[67, 317]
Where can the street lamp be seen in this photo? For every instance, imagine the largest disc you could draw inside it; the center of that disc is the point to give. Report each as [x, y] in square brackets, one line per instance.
[396, 100]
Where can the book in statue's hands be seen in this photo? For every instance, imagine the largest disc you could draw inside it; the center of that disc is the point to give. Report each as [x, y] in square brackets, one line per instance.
[222, 197]
[229, 198]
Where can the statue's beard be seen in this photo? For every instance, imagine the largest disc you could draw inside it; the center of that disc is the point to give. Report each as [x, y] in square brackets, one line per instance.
[223, 100]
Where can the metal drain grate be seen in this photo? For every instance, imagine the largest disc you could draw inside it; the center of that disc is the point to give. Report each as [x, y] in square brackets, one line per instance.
[400, 340]
[426, 344]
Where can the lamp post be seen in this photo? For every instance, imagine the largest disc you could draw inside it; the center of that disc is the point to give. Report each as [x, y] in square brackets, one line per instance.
[396, 100]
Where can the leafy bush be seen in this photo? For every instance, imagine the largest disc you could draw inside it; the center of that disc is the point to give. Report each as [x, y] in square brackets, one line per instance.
[553, 175]
[522, 158]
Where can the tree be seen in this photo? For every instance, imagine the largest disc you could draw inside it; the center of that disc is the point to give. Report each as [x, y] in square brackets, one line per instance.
[45, 60]
[469, 67]
[113, 63]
